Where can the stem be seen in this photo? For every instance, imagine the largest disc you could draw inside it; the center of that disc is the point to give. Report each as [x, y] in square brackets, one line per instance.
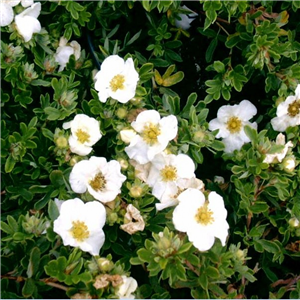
[48, 281]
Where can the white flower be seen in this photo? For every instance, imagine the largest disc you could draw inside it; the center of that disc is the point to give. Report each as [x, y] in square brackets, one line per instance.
[80, 225]
[65, 50]
[7, 12]
[125, 290]
[279, 156]
[288, 112]
[116, 79]
[27, 23]
[154, 134]
[85, 133]
[133, 221]
[102, 179]
[170, 197]
[201, 220]
[231, 121]
[166, 173]
[185, 19]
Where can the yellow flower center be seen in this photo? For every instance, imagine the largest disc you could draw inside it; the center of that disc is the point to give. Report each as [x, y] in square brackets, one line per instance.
[294, 109]
[82, 136]
[234, 125]
[98, 182]
[150, 134]
[168, 173]
[79, 231]
[204, 215]
[117, 83]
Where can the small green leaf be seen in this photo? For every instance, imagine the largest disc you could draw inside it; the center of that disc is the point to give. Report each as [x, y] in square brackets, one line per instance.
[9, 164]
[34, 260]
[212, 272]
[173, 79]
[259, 207]
[211, 49]
[53, 210]
[29, 288]
[57, 178]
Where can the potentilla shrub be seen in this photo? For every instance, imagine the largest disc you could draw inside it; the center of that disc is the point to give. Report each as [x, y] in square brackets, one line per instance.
[150, 149]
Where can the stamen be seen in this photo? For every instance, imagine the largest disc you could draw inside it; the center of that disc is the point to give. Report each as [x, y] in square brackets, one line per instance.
[150, 134]
[168, 173]
[294, 109]
[79, 231]
[82, 136]
[117, 83]
[204, 215]
[98, 182]
[234, 125]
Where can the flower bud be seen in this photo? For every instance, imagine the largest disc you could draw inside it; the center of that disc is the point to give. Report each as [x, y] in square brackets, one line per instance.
[289, 164]
[294, 222]
[104, 264]
[121, 113]
[61, 142]
[127, 135]
[136, 191]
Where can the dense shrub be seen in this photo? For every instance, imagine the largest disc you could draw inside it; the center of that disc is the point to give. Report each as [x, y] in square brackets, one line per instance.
[150, 149]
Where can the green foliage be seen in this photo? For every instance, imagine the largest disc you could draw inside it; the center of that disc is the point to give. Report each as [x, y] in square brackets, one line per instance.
[234, 50]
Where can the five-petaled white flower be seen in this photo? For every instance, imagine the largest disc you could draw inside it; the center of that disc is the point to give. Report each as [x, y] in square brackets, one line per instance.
[288, 112]
[154, 134]
[80, 225]
[116, 79]
[27, 23]
[126, 288]
[85, 133]
[278, 156]
[231, 121]
[166, 173]
[202, 220]
[102, 179]
[65, 50]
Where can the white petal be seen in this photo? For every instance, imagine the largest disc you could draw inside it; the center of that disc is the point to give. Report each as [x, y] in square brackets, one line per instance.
[6, 14]
[246, 110]
[26, 3]
[27, 26]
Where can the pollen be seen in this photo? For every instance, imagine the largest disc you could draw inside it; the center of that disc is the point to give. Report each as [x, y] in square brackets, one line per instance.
[79, 231]
[168, 173]
[294, 109]
[234, 125]
[117, 83]
[204, 215]
[98, 182]
[82, 136]
[150, 134]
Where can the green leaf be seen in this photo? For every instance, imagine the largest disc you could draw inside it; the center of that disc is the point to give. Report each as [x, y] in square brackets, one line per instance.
[296, 3]
[173, 79]
[212, 272]
[9, 164]
[57, 178]
[211, 49]
[40, 82]
[219, 66]
[6, 228]
[34, 261]
[184, 248]
[269, 246]
[259, 207]
[144, 255]
[53, 113]
[251, 133]
[53, 210]
[29, 288]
